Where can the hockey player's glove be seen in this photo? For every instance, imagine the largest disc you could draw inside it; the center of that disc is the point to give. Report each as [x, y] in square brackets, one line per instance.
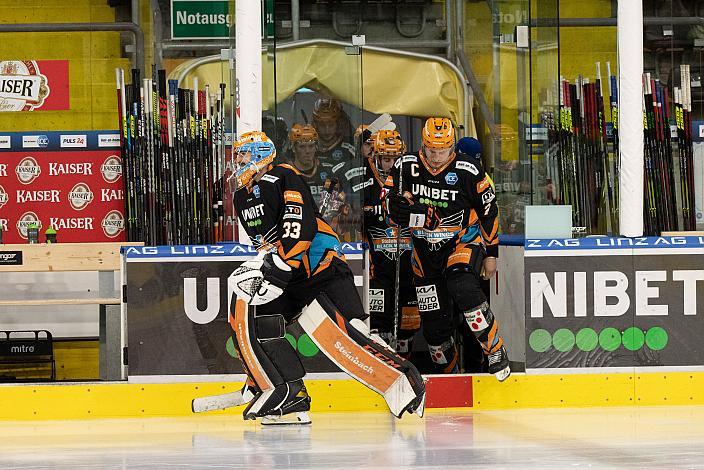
[406, 213]
[261, 280]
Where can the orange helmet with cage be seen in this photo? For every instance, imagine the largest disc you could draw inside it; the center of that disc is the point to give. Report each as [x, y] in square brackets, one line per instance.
[327, 110]
[302, 133]
[438, 133]
[388, 144]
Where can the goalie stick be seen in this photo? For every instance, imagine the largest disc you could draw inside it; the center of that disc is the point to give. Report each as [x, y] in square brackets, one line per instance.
[221, 402]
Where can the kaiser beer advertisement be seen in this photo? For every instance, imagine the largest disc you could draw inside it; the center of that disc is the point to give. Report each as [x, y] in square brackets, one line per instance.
[614, 302]
[69, 181]
[34, 85]
[177, 310]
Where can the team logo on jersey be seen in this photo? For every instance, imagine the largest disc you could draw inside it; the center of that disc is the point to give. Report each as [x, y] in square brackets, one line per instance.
[451, 178]
[113, 223]
[80, 196]
[27, 170]
[3, 197]
[337, 155]
[384, 241]
[25, 220]
[323, 176]
[111, 169]
[257, 192]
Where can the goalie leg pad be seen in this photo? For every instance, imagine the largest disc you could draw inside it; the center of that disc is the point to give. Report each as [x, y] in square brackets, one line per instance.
[269, 359]
[364, 359]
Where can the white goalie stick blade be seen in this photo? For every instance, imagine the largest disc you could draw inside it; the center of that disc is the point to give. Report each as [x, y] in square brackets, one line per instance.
[221, 402]
[379, 123]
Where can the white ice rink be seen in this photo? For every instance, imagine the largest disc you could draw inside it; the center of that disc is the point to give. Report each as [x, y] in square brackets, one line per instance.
[633, 437]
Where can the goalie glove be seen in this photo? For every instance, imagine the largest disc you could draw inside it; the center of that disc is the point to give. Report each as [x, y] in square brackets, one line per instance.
[260, 280]
[406, 213]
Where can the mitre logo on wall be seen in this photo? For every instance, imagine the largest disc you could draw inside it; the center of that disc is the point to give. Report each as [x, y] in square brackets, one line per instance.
[113, 224]
[80, 196]
[30, 85]
[25, 220]
[27, 170]
[111, 168]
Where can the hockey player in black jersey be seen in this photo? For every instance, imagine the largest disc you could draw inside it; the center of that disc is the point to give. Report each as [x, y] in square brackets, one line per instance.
[304, 152]
[299, 275]
[381, 237]
[451, 205]
[332, 125]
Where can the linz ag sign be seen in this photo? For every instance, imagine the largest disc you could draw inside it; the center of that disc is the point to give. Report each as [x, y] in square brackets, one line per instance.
[200, 19]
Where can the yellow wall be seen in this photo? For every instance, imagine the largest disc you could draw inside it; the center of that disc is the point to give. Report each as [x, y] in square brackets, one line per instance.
[92, 60]
[77, 360]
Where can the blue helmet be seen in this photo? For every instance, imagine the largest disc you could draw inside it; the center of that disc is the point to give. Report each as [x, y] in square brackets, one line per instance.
[470, 146]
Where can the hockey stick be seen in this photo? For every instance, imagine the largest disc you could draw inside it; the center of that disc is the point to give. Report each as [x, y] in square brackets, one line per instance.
[381, 123]
[218, 402]
[397, 275]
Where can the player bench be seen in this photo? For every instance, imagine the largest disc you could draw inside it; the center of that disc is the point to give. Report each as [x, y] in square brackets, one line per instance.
[25, 355]
[72, 257]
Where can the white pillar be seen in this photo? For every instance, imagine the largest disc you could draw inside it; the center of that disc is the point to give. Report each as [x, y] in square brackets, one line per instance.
[630, 116]
[248, 65]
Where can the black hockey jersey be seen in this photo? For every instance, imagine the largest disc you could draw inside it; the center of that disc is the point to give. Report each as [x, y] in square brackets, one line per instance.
[338, 153]
[315, 179]
[462, 195]
[278, 212]
[380, 235]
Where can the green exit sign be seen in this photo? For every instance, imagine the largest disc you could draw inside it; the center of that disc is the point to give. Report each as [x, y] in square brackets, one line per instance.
[200, 19]
[211, 19]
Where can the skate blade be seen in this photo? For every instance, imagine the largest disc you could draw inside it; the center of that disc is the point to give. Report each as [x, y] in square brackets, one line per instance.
[297, 418]
[503, 374]
[219, 402]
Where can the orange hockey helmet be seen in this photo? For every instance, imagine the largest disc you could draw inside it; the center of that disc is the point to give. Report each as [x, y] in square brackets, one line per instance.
[303, 133]
[438, 133]
[262, 153]
[388, 144]
[327, 109]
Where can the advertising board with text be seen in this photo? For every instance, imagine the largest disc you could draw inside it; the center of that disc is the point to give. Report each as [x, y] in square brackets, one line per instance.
[614, 302]
[69, 181]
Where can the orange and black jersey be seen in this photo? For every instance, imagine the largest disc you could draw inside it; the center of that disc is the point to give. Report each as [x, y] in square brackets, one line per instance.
[278, 211]
[379, 233]
[463, 198]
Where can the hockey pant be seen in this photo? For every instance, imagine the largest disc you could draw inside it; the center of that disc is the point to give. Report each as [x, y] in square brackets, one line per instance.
[348, 344]
[459, 286]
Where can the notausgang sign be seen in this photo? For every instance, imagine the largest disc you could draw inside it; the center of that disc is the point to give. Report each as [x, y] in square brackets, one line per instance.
[615, 304]
[200, 19]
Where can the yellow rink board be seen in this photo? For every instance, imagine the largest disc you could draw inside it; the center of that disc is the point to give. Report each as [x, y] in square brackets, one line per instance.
[119, 400]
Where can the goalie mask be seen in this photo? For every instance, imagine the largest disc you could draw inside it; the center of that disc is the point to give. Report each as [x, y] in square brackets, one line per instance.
[387, 147]
[254, 152]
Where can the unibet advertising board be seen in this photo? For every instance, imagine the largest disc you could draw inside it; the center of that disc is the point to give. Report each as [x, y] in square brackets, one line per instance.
[614, 302]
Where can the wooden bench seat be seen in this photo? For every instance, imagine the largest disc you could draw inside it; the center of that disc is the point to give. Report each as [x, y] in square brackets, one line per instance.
[71, 257]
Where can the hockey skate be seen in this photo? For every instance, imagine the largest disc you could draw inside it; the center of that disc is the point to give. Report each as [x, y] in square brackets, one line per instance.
[294, 411]
[499, 364]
